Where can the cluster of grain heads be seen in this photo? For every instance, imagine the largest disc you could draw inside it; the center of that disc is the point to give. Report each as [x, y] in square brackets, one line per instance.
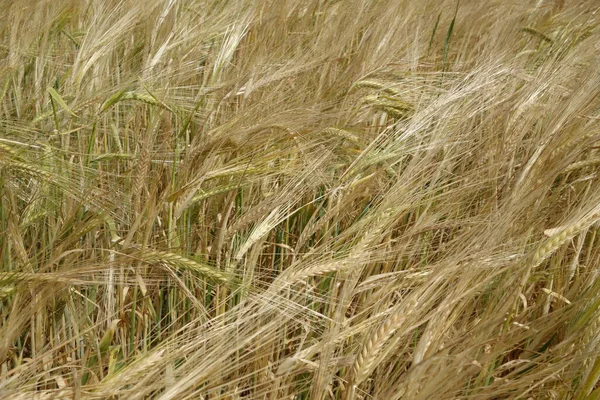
[304, 199]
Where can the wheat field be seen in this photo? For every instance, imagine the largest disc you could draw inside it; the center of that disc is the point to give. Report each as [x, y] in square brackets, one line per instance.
[300, 199]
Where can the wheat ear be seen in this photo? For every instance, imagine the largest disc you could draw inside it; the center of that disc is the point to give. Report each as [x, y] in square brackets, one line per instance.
[365, 362]
[180, 262]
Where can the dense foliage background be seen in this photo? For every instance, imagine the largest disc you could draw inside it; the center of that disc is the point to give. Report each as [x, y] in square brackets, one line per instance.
[299, 199]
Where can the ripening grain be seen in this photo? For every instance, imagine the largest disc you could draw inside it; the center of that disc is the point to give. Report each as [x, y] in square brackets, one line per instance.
[299, 199]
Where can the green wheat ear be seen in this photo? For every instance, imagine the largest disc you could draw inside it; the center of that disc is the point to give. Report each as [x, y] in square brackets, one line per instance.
[538, 34]
[183, 263]
[6, 291]
[141, 97]
[372, 84]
